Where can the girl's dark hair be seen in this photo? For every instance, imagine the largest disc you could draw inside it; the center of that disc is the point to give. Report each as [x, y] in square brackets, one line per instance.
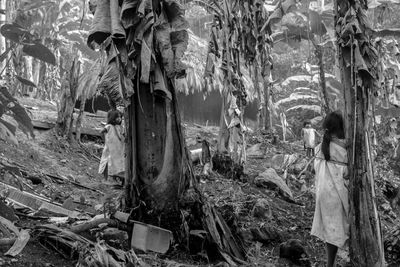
[306, 122]
[333, 125]
[112, 116]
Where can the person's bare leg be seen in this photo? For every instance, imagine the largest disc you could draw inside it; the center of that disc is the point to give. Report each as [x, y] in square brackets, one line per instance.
[331, 251]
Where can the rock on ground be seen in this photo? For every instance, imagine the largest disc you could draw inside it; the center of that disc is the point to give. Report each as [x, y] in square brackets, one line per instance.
[255, 151]
[271, 180]
[261, 209]
[294, 251]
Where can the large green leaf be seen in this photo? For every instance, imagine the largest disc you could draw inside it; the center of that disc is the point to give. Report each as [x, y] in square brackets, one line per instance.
[297, 78]
[40, 52]
[25, 81]
[316, 24]
[15, 33]
[297, 97]
[306, 90]
[314, 108]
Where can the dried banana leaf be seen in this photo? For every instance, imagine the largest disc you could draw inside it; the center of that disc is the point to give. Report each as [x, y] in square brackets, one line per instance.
[110, 84]
[101, 27]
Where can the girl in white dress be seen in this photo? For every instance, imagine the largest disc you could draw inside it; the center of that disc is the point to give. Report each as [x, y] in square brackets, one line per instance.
[331, 217]
[112, 161]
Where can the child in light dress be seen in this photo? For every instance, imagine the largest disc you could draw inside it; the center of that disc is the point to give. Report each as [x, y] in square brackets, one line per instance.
[309, 137]
[331, 217]
[112, 161]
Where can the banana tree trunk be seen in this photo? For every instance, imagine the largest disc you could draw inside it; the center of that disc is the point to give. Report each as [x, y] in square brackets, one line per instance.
[67, 101]
[366, 247]
[81, 115]
[319, 52]
[2, 39]
[365, 234]
[65, 111]
[223, 135]
[260, 105]
[158, 162]
[267, 95]
[31, 91]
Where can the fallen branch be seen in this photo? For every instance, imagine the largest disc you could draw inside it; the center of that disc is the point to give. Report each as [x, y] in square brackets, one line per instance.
[20, 170]
[308, 164]
[58, 178]
[87, 152]
[92, 224]
[20, 243]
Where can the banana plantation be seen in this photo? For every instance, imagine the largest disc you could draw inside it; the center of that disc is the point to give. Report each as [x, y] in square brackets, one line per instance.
[199, 133]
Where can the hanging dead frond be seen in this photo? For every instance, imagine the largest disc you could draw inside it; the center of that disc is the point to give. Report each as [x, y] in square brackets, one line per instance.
[109, 85]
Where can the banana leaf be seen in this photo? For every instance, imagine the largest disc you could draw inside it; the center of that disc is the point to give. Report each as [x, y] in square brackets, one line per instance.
[15, 33]
[25, 81]
[101, 27]
[40, 52]
[7, 101]
[7, 132]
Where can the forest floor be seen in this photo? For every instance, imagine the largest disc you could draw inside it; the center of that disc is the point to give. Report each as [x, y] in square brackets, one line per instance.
[283, 220]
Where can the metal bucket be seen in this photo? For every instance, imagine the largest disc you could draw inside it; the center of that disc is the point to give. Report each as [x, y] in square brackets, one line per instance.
[147, 237]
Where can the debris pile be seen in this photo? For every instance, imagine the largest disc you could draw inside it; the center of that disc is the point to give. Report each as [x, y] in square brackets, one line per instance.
[91, 233]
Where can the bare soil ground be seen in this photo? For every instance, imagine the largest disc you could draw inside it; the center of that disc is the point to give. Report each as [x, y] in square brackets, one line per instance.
[49, 154]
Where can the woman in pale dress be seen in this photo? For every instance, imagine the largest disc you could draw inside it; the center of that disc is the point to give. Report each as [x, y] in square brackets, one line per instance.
[331, 217]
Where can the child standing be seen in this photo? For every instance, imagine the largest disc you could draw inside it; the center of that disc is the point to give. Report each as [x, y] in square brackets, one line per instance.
[309, 138]
[112, 161]
[331, 217]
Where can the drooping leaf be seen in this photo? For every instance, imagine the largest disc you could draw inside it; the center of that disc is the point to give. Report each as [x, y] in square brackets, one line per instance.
[306, 90]
[3, 56]
[40, 52]
[297, 97]
[6, 134]
[316, 24]
[316, 120]
[101, 27]
[15, 33]
[314, 108]
[297, 78]
[88, 81]
[25, 81]
[18, 112]
[109, 84]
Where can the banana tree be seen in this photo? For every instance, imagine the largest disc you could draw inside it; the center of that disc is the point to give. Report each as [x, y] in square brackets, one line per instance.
[308, 24]
[145, 42]
[239, 33]
[358, 60]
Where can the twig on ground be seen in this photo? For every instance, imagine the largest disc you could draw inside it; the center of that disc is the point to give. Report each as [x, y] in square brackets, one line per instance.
[308, 164]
